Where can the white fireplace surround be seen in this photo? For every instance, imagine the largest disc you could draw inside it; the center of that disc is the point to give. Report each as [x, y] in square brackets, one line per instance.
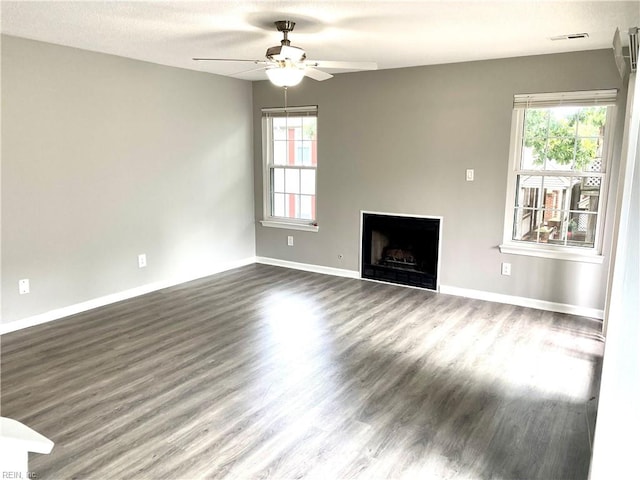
[404, 215]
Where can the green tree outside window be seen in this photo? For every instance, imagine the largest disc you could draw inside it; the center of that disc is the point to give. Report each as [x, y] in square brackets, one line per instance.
[565, 135]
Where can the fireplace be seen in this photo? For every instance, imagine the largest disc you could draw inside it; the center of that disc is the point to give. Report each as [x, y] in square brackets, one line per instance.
[401, 249]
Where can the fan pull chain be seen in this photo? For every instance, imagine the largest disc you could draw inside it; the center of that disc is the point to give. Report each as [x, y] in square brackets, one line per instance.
[285, 98]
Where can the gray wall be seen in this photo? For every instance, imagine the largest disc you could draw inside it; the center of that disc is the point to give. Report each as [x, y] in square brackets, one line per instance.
[104, 158]
[399, 141]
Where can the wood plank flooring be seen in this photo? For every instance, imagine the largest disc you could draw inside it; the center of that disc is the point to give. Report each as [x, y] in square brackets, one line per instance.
[264, 372]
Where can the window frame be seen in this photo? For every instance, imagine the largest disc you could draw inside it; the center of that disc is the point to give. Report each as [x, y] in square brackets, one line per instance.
[270, 220]
[550, 100]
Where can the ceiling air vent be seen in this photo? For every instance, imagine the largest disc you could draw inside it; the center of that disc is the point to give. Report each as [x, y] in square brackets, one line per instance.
[570, 36]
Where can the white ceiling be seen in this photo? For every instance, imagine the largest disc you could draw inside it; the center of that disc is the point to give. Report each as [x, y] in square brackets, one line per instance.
[392, 33]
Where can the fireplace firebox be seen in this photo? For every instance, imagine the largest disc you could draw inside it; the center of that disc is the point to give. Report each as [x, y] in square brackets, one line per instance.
[401, 249]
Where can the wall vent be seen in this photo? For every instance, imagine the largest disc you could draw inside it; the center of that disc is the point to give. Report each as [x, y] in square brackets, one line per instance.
[633, 48]
[570, 36]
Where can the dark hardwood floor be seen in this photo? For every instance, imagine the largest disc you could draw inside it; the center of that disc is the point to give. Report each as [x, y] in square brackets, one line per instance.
[264, 372]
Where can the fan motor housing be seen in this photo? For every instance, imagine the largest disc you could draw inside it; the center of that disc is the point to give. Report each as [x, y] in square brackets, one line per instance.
[284, 25]
[280, 53]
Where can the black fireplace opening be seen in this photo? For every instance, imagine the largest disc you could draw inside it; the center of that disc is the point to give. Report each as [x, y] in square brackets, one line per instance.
[400, 249]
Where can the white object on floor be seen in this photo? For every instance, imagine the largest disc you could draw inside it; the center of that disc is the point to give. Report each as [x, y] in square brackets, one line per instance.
[16, 441]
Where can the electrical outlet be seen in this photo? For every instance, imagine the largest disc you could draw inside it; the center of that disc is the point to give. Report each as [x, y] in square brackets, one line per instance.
[506, 269]
[470, 174]
[290, 240]
[142, 260]
[23, 286]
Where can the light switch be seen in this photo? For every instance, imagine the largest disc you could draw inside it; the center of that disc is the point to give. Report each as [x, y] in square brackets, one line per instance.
[469, 174]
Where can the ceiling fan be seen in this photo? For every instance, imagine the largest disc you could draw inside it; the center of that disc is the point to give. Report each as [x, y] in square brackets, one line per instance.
[286, 65]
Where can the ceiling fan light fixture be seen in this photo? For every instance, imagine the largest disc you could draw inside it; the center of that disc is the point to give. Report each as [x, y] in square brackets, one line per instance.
[286, 65]
[288, 76]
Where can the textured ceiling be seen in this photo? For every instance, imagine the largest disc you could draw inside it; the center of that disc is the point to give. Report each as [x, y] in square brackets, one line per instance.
[393, 34]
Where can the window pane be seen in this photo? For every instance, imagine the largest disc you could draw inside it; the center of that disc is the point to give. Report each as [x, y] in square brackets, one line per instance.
[306, 207]
[552, 228]
[585, 197]
[588, 148]
[595, 165]
[526, 221]
[563, 121]
[314, 152]
[535, 139]
[295, 141]
[539, 225]
[308, 182]
[302, 153]
[529, 191]
[280, 152]
[309, 128]
[588, 152]
[278, 179]
[558, 226]
[292, 206]
[278, 205]
[279, 128]
[308, 152]
[532, 155]
[294, 124]
[556, 192]
[581, 229]
[561, 147]
[559, 194]
[536, 123]
[560, 153]
[549, 138]
[546, 226]
[592, 182]
[289, 146]
[591, 121]
[292, 180]
[572, 229]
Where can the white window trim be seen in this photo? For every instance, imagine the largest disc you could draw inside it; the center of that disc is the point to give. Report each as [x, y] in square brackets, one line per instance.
[305, 227]
[557, 252]
[267, 145]
[560, 252]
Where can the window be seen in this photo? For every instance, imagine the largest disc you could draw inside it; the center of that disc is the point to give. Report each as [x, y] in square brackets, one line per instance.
[558, 175]
[290, 153]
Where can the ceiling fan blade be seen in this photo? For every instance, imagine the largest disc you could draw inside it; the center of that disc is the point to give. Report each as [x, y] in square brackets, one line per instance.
[342, 65]
[246, 71]
[257, 62]
[317, 74]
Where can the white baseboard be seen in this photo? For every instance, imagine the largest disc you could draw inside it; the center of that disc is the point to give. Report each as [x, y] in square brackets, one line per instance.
[523, 302]
[117, 297]
[449, 290]
[339, 272]
[309, 267]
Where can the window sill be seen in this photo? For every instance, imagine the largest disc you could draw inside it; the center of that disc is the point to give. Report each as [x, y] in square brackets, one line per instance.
[559, 254]
[306, 227]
